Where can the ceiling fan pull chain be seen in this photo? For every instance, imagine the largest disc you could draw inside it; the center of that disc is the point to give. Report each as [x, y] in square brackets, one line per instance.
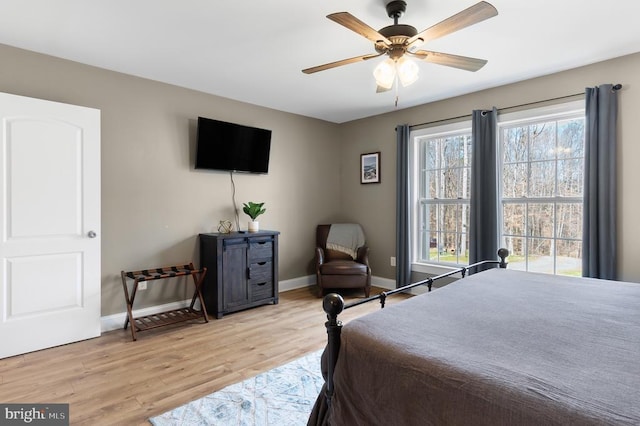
[396, 90]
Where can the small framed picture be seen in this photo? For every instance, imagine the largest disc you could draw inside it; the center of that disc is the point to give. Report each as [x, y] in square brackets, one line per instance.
[370, 168]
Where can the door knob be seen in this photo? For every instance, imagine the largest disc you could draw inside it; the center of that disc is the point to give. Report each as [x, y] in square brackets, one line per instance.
[92, 234]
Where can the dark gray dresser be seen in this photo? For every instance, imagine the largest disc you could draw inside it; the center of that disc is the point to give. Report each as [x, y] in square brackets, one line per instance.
[242, 270]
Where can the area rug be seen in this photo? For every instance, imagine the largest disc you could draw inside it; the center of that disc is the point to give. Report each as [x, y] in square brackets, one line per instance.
[282, 396]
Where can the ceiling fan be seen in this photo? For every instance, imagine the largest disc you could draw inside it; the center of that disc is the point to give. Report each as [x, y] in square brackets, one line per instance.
[399, 42]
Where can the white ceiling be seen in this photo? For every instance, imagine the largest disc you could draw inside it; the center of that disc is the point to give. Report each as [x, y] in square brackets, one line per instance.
[254, 50]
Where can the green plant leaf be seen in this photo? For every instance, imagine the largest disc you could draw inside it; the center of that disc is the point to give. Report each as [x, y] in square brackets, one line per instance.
[253, 210]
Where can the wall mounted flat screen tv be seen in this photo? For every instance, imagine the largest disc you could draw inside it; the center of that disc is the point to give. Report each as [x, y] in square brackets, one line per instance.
[232, 147]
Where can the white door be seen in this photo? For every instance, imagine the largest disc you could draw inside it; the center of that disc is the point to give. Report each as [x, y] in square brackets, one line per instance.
[49, 224]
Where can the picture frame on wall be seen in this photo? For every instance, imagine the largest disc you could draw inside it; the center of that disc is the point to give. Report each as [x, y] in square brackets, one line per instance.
[370, 167]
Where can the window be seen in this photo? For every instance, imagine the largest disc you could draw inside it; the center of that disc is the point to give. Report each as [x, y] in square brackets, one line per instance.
[541, 164]
[443, 159]
[541, 191]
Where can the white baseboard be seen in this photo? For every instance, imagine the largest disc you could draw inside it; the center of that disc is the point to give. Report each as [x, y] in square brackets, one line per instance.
[295, 283]
[115, 321]
[310, 280]
[383, 282]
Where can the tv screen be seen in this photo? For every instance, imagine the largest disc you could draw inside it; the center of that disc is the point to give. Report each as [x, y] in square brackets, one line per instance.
[232, 147]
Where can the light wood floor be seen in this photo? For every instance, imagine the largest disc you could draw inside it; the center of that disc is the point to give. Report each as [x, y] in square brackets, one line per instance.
[112, 380]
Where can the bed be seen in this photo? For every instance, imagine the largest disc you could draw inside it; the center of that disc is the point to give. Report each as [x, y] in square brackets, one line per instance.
[499, 347]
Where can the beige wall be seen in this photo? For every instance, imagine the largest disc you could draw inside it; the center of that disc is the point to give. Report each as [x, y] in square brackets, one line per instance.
[154, 204]
[373, 205]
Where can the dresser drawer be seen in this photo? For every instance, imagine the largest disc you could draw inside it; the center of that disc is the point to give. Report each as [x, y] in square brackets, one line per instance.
[261, 290]
[260, 249]
[261, 271]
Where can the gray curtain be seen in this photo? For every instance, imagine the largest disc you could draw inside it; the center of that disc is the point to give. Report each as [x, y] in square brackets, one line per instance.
[599, 216]
[483, 223]
[403, 240]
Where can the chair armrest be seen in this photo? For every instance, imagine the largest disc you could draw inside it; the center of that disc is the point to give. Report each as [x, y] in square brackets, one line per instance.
[363, 255]
[319, 256]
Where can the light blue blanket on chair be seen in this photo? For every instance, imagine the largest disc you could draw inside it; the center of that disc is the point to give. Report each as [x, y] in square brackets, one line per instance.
[346, 237]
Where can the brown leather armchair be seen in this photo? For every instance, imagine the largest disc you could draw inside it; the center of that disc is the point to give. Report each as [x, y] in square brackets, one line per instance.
[337, 269]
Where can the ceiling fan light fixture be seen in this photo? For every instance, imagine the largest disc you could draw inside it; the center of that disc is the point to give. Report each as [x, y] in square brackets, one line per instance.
[385, 73]
[407, 71]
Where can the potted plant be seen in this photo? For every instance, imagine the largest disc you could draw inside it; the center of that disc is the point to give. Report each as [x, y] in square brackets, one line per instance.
[253, 210]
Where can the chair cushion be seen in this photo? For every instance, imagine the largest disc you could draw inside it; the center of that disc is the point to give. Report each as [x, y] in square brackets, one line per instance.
[343, 267]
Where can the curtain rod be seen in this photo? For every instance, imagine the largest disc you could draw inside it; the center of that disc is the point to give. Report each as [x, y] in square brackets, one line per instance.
[615, 87]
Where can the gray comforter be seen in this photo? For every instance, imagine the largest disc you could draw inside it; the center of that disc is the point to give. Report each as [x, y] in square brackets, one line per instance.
[497, 348]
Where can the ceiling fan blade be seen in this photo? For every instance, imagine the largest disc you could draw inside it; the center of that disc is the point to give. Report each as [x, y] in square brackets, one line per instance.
[354, 24]
[449, 60]
[472, 15]
[340, 63]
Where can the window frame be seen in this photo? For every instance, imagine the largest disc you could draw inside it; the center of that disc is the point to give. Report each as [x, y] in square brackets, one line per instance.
[414, 183]
[557, 112]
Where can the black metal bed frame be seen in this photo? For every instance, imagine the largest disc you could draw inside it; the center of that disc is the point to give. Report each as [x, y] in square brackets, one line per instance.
[333, 304]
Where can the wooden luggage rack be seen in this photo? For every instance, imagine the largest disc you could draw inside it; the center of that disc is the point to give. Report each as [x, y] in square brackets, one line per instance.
[168, 317]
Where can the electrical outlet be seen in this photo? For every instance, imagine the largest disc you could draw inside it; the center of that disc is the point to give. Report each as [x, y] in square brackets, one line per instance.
[393, 261]
[142, 285]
